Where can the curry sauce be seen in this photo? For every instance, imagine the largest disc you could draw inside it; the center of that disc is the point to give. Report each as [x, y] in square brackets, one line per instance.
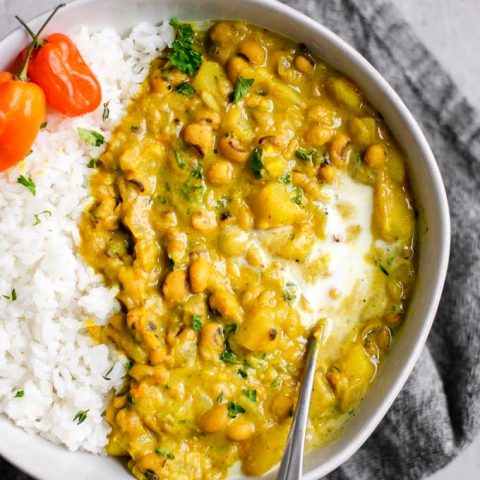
[211, 192]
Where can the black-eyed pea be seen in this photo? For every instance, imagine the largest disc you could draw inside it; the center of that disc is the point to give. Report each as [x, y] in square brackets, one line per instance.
[375, 155]
[151, 463]
[281, 407]
[211, 342]
[226, 304]
[220, 172]
[214, 420]
[304, 64]
[199, 136]
[175, 286]
[338, 149]
[176, 244]
[223, 33]
[199, 274]
[253, 52]
[327, 173]
[240, 429]
[209, 117]
[235, 66]
[203, 222]
[318, 135]
[231, 149]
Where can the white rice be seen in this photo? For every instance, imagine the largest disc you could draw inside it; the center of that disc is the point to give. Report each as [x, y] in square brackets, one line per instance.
[43, 351]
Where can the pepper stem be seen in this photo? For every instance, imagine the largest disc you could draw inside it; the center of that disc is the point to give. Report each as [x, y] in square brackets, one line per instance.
[22, 75]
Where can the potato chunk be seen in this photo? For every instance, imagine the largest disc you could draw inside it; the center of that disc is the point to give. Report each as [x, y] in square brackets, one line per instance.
[273, 207]
[259, 331]
[392, 214]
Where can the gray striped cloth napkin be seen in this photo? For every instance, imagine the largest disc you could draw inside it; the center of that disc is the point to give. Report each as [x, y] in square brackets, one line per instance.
[437, 414]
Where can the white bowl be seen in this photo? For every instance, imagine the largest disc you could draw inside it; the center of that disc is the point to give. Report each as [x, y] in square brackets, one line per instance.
[46, 461]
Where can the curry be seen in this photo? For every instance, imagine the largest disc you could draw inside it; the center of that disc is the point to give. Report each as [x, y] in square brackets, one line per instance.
[213, 209]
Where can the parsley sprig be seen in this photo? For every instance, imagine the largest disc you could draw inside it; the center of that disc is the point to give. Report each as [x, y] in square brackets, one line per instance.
[183, 55]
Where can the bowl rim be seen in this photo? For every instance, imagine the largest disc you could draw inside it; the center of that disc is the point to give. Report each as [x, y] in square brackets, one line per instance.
[380, 84]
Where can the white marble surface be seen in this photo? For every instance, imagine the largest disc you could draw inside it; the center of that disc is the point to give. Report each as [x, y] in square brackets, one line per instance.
[450, 28]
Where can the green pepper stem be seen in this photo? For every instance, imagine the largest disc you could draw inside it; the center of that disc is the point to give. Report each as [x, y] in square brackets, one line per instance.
[22, 75]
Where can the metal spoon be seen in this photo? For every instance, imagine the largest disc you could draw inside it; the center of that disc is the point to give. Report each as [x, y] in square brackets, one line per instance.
[292, 462]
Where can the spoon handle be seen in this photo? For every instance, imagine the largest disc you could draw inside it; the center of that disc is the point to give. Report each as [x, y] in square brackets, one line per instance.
[292, 462]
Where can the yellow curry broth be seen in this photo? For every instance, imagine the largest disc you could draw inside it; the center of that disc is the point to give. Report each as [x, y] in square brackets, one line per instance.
[210, 325]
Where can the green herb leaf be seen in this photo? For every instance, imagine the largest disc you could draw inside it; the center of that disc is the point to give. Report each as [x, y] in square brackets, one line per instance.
[93, 163]
[129, 364]
[276, 383]
[19, 394]
[28, 183]
[179, 160]
[256, 163]
[305, 154]
[196, 322]
[182, 54]
[250, 394]
[185, 88]
[171, 263]
[162, 200]
[165, 453]
[106, 111]
[91, 137]
[242, 372]
[242, 86]
[234, 409]
[286, 179]
[43, 125]
[192, 192]
[131, 400]
[80, 416]
[290, 292]
[197, 173]
[228, 356]
[48, 213]
[325, 160]
[297, 198]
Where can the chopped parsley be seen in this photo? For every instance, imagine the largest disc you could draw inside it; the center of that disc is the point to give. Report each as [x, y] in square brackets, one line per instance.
[106, 111]
[185, 88]
[171, 263]
[242, 86]
[256, 163]
[129, 364]
[131, 400]
[290, 292]
[43, 125]
[250, 394]
[242, 372]
[91, 137]
[12, 296]
[234, 409]
[80, 416]
[297, 198]
[179, 159]
[228, 356]
[47, 213]
[165, 453]
[276, 383]
[162, 200]
[19, 394]
[196, 322]
[93, 163]
[183, 55]
[286, 179]
[28, 183]
[305, 154]
[197, 173]
[192, 192]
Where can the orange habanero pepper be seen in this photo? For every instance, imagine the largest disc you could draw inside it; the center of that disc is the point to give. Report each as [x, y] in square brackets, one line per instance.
[68, 82]
[22, 111]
